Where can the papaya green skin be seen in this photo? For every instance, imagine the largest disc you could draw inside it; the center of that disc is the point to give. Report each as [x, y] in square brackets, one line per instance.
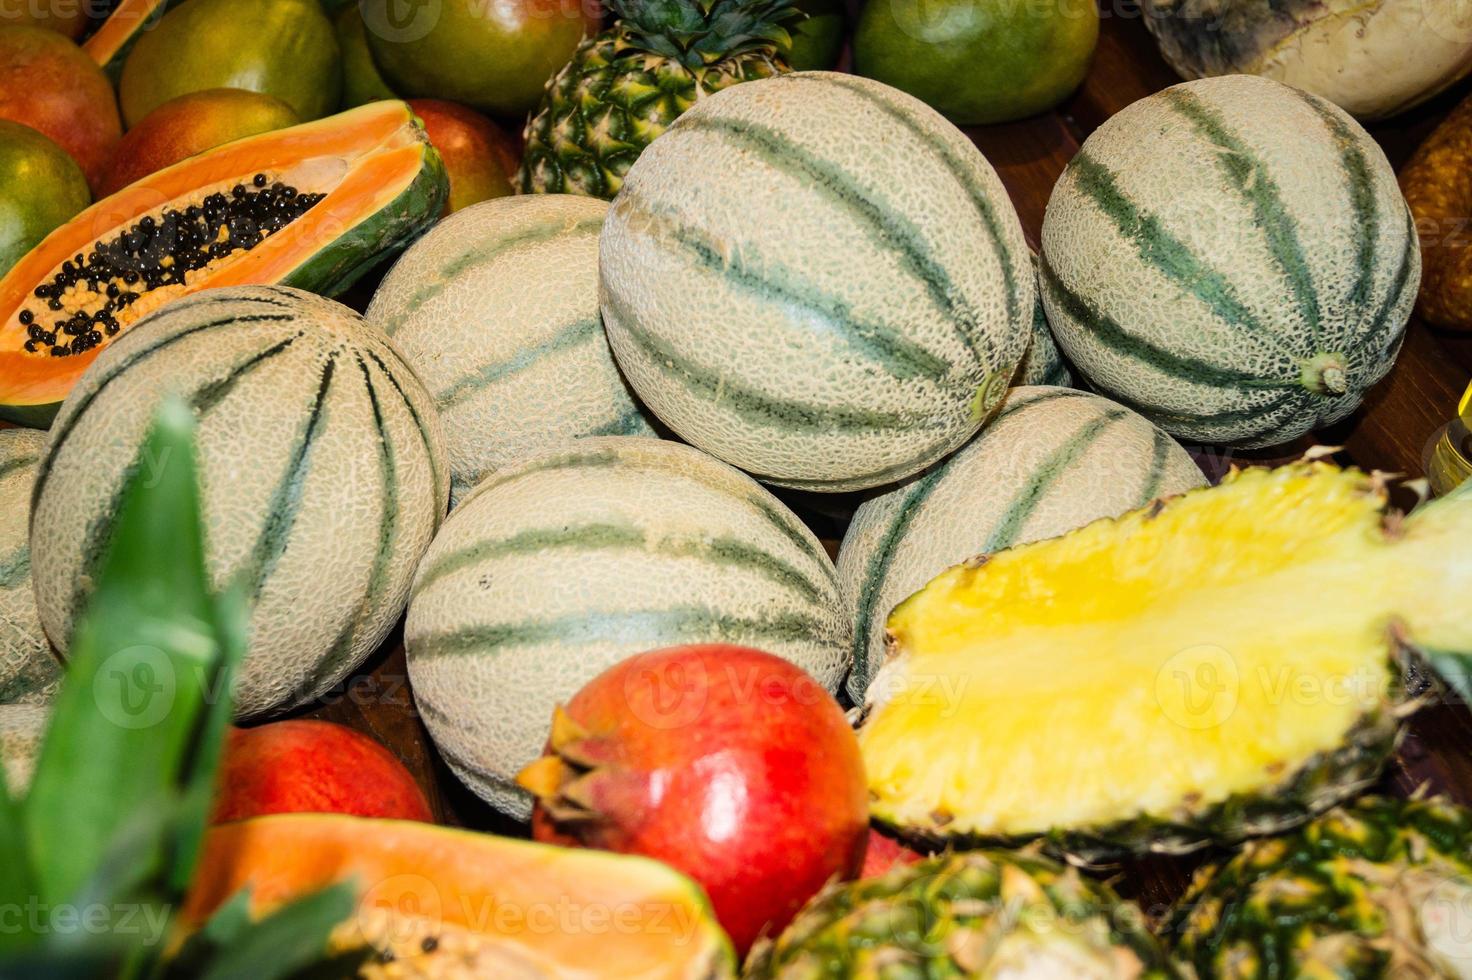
[362, 82]
[191, 124]
[495, 57]
[284, 48]
[41, 188]
[817, 39]
[472, 148]
[334, 269]
[978, 61]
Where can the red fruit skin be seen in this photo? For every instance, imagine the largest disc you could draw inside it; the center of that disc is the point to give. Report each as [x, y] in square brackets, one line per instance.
[307, 766]
[474, 149]
[191, 124]
[729, 764]
[51, 85]
[884, 853]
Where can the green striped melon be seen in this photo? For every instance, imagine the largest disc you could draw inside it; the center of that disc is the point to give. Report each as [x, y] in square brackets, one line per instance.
[818, 279]
[1043, 363]
[496, 309]
[322, 473]
[1052, 460]
[1233, 258]
[22, 729]
[29, 671]
[558, 567]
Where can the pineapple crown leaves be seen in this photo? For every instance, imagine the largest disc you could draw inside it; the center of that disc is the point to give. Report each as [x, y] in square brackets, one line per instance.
[698, 33]
[115, 813]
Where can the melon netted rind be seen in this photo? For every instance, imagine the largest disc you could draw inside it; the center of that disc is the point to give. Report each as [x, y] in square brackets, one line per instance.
[22, 730]
[976, 914]
[821, 315]
[496, 309]
[560, 566]
[1052, 459]
[322, 470]
[1233, 258]
[1375, 888]
[1043, 364]
[29, 671]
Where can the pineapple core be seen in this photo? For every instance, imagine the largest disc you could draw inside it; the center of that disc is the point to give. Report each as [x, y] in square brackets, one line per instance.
[1152, 666]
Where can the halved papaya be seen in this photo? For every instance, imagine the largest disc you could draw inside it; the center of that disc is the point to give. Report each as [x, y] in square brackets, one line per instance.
[313, 206]
[109, 44]
[442, 902]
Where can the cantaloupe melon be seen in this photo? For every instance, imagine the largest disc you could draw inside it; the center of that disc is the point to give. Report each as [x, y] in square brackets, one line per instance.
[1052, 460]
[29, 671]
[22, 728]
[818, 279]
[322, 469]
[558, 567]
[1043, 363]
[1233, 258]
[496, 309]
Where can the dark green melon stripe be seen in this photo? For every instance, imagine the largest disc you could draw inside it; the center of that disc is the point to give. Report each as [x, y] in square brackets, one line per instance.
[1251, 179]
[961, 169]
[1108, 332]
[214, 392]
[10, 466]
[480, 254]
[62, 432]
[879, 342]
[1385, 332]
[286, 499]
[423, 427]
[753, 406]
[892, 229]
[1057, 375]
[566, 338]
[1044, 478]
[1158, 457]
[569, 461]
[15, 568]
[722, 551]
[880, 560]
[98, 535]
[789, 527]
[1162, 250]
[630, 423]
[657, 627]
[1361, 197]
[1230, 416]
[336, 660]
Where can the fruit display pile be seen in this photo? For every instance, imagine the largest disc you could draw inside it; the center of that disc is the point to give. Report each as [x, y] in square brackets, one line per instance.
[713, 488]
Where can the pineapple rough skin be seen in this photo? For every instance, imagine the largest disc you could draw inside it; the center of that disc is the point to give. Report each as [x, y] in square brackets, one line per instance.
[625, 86]
[1378, 888]
[977, 914]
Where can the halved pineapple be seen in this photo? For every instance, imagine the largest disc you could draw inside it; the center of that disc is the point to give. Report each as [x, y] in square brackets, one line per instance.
[1222, 664]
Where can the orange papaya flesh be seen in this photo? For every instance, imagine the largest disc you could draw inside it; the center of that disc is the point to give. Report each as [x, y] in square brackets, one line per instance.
[440, 902]
[313, 206]
[110, 43]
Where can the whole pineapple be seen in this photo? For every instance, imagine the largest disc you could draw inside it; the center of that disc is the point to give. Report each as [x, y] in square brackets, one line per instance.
[1376, 888]
[625, 86]
[974, 914]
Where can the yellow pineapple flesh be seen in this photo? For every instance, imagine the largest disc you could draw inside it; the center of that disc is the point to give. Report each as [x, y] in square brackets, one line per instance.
[1214, 666]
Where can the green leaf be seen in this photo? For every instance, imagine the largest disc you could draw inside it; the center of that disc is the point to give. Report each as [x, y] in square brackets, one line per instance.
[16, 878]
[291, 939]
[131, 724]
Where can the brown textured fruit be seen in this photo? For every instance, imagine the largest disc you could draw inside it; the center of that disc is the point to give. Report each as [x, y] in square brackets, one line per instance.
[191, 124]
[1438, 186]
[50, 85]
[475, 151]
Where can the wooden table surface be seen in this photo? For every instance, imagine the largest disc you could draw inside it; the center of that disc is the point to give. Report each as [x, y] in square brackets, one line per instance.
[1391, 432]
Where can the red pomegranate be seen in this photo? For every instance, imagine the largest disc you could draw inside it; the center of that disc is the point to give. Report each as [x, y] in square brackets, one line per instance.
[727, 763]
[306, 766]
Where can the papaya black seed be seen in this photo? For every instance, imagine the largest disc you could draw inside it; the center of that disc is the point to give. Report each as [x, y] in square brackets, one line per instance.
[259, 180]
[27, 318]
